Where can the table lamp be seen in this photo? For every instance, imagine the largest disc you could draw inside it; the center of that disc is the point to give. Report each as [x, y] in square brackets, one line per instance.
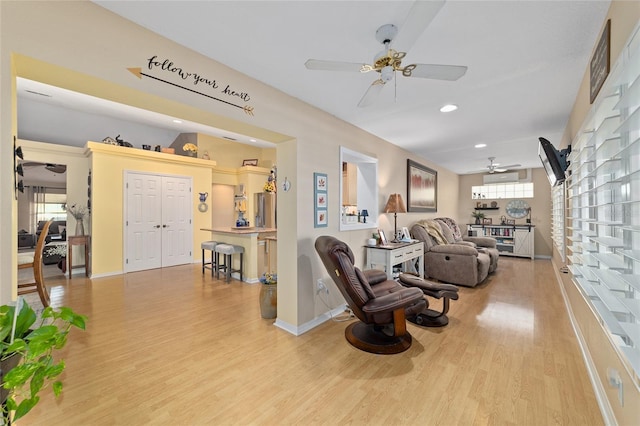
[364, 215]
[395, 205]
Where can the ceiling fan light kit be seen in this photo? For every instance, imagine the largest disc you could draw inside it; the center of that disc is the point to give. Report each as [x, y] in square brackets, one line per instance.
[389, 60]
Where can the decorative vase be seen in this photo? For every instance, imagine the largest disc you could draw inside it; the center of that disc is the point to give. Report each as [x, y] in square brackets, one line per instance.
[269, 300]
[80, 227]
[192, 154]
[477, 221]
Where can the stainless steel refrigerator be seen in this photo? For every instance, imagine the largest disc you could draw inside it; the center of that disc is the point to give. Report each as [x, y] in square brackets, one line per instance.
[265, 207]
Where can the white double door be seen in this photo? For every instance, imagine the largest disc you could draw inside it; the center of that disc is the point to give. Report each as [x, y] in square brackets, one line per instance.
[158, 224]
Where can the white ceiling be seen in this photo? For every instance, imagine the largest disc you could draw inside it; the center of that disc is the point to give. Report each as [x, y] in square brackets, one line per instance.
[525, 62]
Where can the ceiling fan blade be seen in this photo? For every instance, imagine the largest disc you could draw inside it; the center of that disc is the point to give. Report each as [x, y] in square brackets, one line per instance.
[318, 64]
[437, 72]
[419, 18]
[371, 94]
[510, 166]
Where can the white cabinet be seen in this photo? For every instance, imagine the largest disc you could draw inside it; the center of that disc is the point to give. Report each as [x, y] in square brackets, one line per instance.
[406, 254]
[511, 240]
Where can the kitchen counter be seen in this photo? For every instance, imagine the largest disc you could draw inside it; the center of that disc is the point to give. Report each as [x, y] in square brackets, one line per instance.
[240, 230]
[246, 237]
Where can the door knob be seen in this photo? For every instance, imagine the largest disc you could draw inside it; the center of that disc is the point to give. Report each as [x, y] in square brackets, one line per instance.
[165, 226]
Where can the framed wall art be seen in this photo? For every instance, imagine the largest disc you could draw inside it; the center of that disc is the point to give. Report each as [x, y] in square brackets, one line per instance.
[320, 200]
[250, 162]
[422, 188]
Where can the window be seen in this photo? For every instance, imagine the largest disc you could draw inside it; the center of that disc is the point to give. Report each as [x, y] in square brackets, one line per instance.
[51, 207]
[502, 190]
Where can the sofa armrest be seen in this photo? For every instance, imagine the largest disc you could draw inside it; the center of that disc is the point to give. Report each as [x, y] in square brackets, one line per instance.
[482, 241]
[454, 249]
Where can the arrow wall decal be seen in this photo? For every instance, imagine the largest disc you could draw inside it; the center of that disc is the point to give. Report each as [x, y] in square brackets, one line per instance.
[137, 71]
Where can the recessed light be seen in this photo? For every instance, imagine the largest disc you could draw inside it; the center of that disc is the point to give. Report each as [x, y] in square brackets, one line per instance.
[449, 108]
[252, 140]
[177, 121]
[480, 145]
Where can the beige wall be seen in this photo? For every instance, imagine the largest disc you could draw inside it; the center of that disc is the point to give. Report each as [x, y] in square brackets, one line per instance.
[540, 207]
[41, 41]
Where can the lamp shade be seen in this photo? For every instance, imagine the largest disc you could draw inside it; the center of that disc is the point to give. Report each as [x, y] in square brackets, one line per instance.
[395, 204]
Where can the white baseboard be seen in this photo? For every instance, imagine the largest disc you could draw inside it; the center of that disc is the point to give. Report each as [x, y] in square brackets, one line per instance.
[601, 397]
[298, 330]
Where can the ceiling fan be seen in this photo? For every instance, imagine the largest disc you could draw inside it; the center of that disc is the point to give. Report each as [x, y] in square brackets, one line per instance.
[497, 168]
[389, 60]
[54, 168]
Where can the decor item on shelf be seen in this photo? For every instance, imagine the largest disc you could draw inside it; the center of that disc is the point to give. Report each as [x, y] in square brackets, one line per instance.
[78, 213]
[487, 221]
[503, 220]
[168, 150]
[190, 149]
[364, 214]
[478, 216]
[146, 147]
[109, 141]
[529, 215]
[395, 205]
[26, 354]
[269, 296]
[205, 156]
[494, 204]
[422, 188]
[517, 209]
[124, 143]
[270, 184]
[158, 148]
[250, 162]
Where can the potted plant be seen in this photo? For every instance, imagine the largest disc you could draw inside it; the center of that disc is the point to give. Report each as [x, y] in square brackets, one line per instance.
[478, 215]
[26, 361]
[269, 295]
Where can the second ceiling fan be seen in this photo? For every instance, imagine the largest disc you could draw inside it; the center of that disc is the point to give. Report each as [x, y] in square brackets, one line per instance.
[389, 60]
[497, 168]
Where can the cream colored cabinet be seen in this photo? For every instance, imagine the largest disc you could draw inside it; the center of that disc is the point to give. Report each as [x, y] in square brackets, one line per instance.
[511, 240]
[349, 184]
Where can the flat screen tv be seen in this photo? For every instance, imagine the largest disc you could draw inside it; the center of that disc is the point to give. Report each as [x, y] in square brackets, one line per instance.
[555, 162]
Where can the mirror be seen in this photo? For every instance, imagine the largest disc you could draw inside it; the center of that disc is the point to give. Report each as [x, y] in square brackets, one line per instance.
[358, 190]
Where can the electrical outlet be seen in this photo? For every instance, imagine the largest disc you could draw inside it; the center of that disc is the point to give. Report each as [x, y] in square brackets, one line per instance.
[320, 286]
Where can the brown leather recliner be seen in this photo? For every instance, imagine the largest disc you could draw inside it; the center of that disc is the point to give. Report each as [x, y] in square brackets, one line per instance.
[382, 327]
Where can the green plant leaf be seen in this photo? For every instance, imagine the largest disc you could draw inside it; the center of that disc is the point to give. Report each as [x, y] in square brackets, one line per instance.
[18, 345]
[57, 388]
[18, 375]
[25, 406]
[55, 370]
[37, 381]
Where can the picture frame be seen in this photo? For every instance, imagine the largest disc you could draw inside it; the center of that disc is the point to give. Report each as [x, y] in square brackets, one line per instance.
[250, 162]
[383, 238]
[510, 221]
[422, 188]
[321, 203]
[405, 233]
[487, 221]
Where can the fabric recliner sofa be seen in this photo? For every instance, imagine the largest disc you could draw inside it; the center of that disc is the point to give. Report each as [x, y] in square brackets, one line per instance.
[486, 245]
[460, 264]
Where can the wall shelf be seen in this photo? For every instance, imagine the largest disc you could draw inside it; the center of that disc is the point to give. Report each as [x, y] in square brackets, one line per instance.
[487, 208]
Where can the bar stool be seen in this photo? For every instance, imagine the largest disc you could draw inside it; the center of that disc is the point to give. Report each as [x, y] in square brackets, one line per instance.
[228, 250]
[211, 246]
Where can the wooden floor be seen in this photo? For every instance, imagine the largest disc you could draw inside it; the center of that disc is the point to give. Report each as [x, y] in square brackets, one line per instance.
[171, 347]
